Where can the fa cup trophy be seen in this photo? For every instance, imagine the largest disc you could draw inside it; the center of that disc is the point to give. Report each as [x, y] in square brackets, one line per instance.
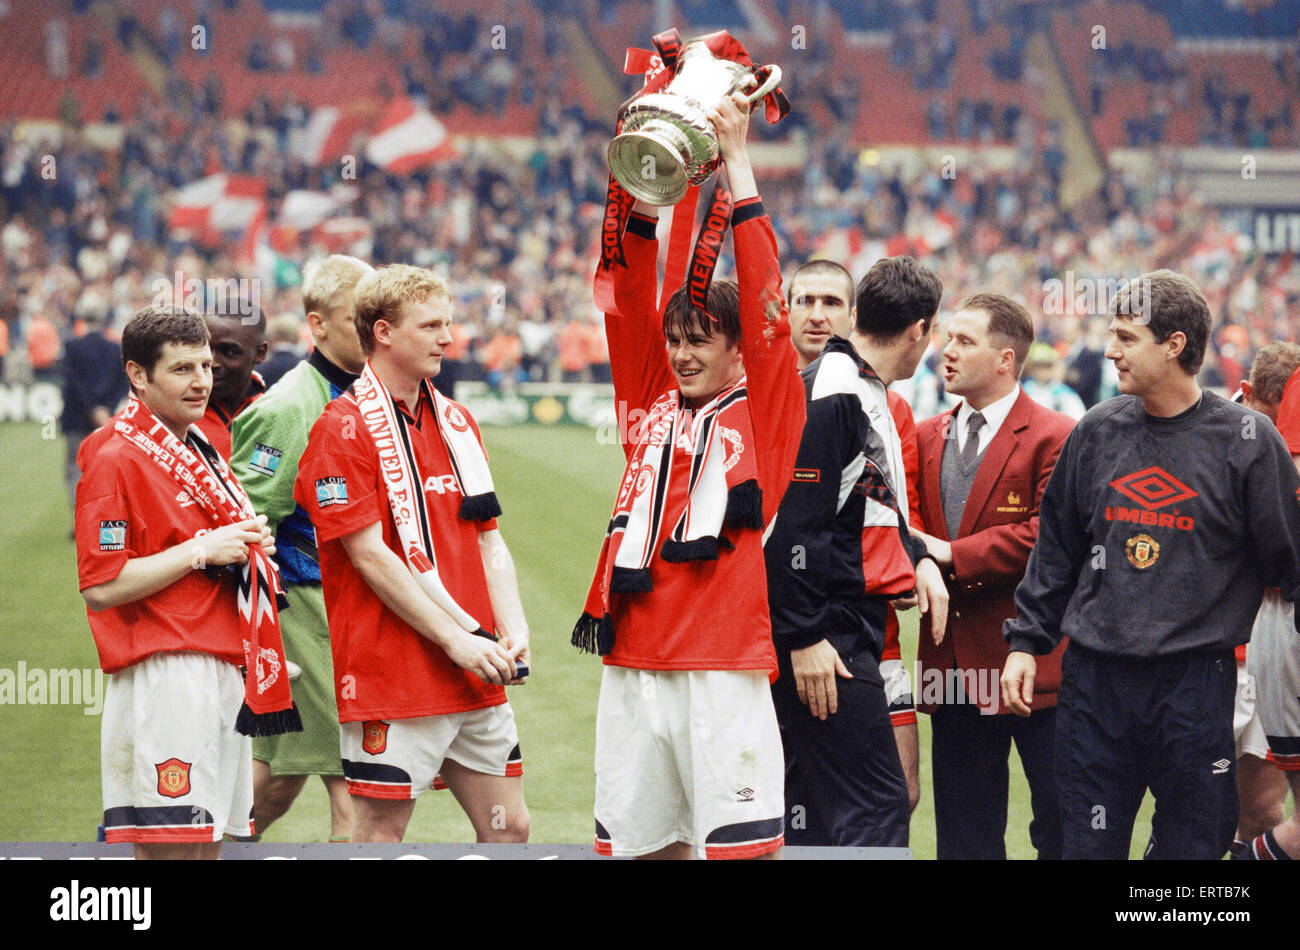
[667, 142]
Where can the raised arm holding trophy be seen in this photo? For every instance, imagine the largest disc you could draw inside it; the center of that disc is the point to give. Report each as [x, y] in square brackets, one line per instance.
[688, 757]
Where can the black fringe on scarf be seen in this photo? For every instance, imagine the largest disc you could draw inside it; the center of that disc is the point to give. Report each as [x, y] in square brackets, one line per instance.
[480, 507]
[701, 549]
[593, 636]
[249, 723]
[745, 505]
[630, 580]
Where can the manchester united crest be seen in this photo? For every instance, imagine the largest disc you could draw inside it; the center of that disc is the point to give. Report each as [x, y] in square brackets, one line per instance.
[455, 418]
[1142, 551]
[732, 447]
[173, 778]
[375, 736]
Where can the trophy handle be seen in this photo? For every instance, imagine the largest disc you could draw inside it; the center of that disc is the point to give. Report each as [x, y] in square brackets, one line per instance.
[773, 80]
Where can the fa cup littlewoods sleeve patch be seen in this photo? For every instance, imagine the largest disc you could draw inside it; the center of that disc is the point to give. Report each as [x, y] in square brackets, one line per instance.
[112, 535]
[266, 459]
[332, 490]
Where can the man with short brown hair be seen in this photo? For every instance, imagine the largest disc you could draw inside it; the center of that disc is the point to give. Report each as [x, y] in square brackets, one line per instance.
[839, 552]
[1169, 511]
[822, 303]
[173, 567]
[688, 755]
[984, 467]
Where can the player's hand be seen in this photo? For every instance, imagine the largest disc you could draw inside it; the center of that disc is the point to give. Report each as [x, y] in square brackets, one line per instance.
[517, 647]
[815, 669]
[486, 659]
[730, 118]
[227, 544]
[937, 548]
[268, 539]
[932, 598]
[906, 602]
[1018, 681]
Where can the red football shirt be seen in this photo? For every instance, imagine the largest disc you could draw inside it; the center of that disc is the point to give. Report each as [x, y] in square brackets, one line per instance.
[383, 668]
[128, 507]
[1288, 423]
[708, 615]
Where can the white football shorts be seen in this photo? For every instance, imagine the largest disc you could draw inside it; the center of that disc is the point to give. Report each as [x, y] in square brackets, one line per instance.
[898, 693]
[688, 756]
[174, 769]
[1273, 658]
[1246, 728]
[400, 758]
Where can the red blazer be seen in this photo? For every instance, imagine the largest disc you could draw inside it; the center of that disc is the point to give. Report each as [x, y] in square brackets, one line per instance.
[998, 529]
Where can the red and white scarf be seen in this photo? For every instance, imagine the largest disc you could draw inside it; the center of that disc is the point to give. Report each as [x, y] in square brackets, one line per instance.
[722, 491]
[405, 486]
[268, 708]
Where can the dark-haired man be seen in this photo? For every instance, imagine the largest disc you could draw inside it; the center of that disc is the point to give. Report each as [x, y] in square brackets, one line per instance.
[984, 467]
[238, 344]
[157, 512]
[839, 551]
[1168, 513]
[823, 304]
[688, 756]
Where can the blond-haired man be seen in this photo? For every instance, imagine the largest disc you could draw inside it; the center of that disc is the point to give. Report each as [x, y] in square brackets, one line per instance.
[426, 625]
[268, 439]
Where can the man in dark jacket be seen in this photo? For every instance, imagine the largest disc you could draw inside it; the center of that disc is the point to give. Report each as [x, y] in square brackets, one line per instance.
[839, 550]
[93, 387]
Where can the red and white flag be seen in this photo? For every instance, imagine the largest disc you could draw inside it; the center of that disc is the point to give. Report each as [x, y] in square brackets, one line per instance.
[217, 204]
[303, 210]
[327, 135]
[839, 244]
[408, 137]
[347, 235]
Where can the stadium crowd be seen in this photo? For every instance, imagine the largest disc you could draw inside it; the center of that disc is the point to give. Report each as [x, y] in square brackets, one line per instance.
[516, 237]
[86, 226]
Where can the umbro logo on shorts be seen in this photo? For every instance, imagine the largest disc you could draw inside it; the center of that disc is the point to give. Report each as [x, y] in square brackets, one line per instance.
[746, 794]
[1218, 768]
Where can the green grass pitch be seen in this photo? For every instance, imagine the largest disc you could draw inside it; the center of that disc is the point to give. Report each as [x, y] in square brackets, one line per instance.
[556, 486]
